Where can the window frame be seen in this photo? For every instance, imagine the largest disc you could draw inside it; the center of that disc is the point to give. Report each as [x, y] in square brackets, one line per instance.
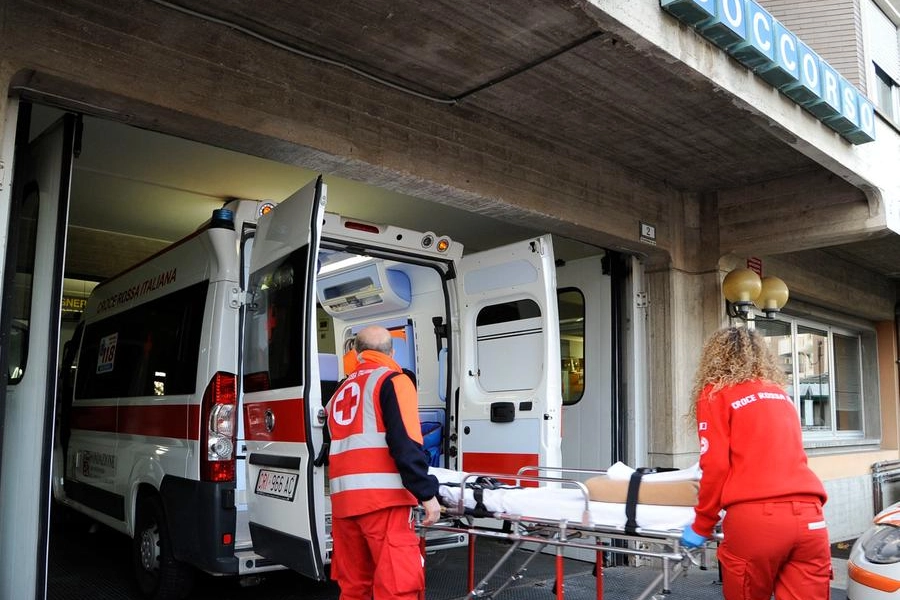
[877, 17]
[274, 344]
[885, 82]
[568, 398]
[870, 407]
[133, 372]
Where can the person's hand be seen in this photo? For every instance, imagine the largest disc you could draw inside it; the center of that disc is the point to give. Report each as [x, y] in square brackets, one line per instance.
[691, 539]
[432, 511]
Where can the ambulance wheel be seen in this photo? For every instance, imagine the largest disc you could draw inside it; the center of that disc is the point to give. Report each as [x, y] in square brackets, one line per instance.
[159, 576]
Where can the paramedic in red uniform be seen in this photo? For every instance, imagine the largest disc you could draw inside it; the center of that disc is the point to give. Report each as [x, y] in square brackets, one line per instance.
[754, 467]
[378, 472]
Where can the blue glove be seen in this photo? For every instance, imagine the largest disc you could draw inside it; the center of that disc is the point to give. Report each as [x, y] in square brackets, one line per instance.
[690, 539]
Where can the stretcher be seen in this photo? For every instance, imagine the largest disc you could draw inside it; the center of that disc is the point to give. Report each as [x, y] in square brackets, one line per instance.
[551, 508]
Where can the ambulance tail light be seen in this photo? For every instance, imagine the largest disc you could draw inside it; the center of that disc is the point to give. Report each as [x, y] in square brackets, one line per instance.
[218, 423]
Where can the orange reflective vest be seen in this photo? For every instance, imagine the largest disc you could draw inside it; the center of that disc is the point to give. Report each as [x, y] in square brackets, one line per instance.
[363, 475]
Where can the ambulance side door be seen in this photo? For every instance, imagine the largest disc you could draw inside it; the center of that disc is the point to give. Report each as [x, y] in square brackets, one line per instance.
[587, 352]
[280, 386]
[509, 404]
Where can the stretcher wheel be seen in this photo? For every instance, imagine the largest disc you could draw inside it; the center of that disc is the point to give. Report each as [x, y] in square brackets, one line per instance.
[159, 576]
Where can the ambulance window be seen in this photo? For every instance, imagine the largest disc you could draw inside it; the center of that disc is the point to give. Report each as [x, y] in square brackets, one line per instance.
[507, 311]
[149, 350]
[17, 356]
[509, 335]
[274, 334]
[571, 343]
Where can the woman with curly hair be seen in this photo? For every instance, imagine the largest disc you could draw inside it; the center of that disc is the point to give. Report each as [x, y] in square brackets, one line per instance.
[754, 467]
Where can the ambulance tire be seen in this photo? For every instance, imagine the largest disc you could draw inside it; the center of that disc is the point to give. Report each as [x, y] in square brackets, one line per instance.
[159, 576]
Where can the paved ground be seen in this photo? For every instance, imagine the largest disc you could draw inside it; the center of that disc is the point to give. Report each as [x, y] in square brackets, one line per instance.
[96, 565]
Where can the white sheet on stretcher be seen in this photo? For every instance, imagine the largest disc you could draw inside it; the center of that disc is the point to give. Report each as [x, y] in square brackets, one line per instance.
[556, 504]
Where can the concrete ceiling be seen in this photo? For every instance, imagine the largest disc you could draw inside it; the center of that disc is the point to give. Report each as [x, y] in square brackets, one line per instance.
[135, 191]
[552, 70]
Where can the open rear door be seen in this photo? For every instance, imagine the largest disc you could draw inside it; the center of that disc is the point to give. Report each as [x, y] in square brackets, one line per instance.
[509, 396]
[32, 291]
[281, 394]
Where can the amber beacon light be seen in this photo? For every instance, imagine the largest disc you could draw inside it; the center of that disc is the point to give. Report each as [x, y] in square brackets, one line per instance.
[744, 291]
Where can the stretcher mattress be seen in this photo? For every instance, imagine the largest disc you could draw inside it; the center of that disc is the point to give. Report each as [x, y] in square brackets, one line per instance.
[568, 503]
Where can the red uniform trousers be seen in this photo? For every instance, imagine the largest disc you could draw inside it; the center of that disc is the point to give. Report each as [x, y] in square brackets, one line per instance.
[377, 557]
[779, 547]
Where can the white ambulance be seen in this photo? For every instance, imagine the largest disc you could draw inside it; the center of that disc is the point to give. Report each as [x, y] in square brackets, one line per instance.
[190, 410]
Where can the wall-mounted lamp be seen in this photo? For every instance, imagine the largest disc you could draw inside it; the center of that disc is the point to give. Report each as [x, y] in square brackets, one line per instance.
[743, 289]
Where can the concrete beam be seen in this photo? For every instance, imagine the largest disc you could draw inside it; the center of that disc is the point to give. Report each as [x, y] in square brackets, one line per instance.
[823, 279]
[805, 211]
[160, 69]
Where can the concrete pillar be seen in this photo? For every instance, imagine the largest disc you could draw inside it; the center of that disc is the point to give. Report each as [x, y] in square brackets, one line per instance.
[685, 308]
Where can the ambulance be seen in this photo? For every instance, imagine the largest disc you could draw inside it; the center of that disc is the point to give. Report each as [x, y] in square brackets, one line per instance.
[190, 409]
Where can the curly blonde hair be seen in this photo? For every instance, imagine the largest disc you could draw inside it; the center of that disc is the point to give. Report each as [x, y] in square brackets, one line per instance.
[734, 355]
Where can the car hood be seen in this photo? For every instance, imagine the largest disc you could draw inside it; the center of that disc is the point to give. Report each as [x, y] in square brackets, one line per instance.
[889, 516]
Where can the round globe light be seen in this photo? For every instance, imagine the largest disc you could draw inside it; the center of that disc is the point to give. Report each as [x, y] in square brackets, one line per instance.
[741, 286]
[773, 295]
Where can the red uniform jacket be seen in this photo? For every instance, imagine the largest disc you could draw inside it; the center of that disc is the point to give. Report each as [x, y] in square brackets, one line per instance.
[751, 450]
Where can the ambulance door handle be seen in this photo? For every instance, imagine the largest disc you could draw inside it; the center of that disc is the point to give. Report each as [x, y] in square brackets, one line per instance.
[473, 374]
[321, 416]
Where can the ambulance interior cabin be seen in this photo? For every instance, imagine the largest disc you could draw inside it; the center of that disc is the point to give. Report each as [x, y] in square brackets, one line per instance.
[355, 291]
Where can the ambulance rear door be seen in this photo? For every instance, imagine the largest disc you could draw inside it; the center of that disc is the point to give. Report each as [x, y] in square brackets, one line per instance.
[280, 386]
[509, 404]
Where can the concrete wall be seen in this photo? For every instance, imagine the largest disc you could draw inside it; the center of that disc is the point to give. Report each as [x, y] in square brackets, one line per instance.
[849, 507]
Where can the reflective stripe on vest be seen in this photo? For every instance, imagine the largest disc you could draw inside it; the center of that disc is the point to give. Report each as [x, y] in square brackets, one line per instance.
[366, 481]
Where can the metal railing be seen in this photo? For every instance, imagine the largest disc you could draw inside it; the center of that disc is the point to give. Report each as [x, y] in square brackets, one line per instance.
[885, 477]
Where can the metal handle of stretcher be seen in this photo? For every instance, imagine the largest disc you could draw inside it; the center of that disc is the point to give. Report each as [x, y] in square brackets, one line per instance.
[585, 513]
[539, 469]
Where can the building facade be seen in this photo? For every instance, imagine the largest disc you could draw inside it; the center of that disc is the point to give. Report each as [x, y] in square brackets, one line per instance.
[599, 121]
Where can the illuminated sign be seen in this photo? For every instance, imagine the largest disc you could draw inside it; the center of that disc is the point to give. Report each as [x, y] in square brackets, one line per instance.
[758, 41]
[73, 304]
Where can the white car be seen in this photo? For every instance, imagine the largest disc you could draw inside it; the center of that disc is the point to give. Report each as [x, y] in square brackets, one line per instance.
[873, 570]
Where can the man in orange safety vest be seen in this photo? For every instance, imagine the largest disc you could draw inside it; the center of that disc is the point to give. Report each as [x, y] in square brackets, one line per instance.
[378, 473]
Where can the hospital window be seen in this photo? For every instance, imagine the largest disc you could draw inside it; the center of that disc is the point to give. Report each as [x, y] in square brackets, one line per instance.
[880, 38]
[571, 343]
[886, 93]
[823, 366]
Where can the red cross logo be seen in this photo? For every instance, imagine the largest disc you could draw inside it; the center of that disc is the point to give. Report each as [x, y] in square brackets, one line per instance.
[346, 403]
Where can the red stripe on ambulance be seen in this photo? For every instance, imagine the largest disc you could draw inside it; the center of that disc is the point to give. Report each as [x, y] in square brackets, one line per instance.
[496, 462]
[180, 421]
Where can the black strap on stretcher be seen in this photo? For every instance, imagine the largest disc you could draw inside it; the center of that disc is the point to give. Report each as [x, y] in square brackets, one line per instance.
[631, 500]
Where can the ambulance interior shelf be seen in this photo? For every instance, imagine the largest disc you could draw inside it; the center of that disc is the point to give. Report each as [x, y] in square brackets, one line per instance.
[363, 289]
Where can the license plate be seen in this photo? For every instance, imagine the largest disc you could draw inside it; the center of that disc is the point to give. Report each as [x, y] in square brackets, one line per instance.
[276, 484]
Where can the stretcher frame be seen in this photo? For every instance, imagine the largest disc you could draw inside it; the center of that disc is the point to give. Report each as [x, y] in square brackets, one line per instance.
[663, 545]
